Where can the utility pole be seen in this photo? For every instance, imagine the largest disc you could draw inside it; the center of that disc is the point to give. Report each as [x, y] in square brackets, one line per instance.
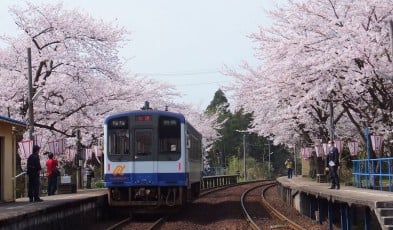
[244, 156]
[30, 98]
[331, 120]
[79, 160]
[269, 157]
[294, 158]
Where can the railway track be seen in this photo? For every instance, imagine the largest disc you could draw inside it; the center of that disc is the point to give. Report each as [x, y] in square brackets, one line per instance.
[219, 208]
[265, 214]
[151, 223]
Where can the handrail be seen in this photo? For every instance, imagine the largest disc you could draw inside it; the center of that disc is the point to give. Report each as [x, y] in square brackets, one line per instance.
[367, 172]
[20, 174]
[218, 180]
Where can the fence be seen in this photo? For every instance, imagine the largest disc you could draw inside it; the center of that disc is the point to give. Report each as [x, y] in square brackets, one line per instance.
[373, 173]
[217, 181]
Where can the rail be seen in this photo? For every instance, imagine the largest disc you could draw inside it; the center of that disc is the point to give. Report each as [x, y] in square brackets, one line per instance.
[219, 180]
[373, 173]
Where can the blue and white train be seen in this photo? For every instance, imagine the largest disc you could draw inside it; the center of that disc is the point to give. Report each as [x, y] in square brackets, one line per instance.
[152, 159]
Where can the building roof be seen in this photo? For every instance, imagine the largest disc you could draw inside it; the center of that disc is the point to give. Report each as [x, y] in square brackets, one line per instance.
[12, 121]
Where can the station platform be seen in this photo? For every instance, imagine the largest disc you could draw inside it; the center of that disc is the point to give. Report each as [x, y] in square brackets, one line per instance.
[347, 194]
[61, 211]
[312, 198]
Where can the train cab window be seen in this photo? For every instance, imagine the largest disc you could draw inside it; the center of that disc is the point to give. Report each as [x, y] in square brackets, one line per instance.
[118, 142]
[143, 144]
[169, 139]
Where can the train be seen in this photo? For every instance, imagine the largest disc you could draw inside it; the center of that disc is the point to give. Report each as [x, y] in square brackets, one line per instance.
[152, 158]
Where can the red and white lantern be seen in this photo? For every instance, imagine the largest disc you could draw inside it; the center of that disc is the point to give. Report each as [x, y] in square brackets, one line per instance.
[319, 150]
[376, 142]
[325, 148]
[353, 148]
[25, 148]
[339, 145]
[57, 147]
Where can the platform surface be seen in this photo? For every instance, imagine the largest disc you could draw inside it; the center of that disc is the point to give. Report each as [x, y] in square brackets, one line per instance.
[22, 206]
[347, 194]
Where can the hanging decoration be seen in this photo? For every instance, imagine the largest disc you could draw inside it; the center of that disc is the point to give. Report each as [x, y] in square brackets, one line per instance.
[57, 147]
[319, 150]
[339, 145]
[376, 142]
[306, 152]
[325, 148]
[97, 152]
[38, 140]
[25, 148]
[353, 148]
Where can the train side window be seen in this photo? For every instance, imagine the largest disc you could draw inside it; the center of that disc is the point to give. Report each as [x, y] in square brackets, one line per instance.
[169, 145]
[188, 142]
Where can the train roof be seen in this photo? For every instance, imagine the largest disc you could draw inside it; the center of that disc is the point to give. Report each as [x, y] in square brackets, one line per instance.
[146, 112]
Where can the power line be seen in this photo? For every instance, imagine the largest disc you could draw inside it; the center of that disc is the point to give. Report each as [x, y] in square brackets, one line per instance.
[203, 83]
[180, 74]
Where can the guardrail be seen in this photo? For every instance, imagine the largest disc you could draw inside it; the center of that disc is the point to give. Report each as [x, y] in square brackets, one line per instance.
[373, 173]
[219, 180]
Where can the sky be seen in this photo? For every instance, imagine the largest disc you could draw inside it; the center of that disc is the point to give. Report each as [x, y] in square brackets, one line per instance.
[183, 42]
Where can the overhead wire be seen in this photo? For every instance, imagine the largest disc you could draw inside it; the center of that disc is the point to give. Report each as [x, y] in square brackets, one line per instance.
[180, 74]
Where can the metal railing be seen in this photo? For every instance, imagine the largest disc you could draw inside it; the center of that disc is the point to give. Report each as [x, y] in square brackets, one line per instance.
[373, 173]
[218, 181]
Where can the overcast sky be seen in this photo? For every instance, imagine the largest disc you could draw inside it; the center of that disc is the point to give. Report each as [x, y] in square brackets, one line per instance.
[183, 42]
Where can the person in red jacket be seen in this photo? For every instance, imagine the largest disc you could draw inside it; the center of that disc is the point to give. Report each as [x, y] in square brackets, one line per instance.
[52, 173]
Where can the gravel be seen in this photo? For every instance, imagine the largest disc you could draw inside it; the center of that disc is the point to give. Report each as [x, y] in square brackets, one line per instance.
[222, 210]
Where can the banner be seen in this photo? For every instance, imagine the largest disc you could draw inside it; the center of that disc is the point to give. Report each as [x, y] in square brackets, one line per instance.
[89, 154]
[70, 154]
[376, 142]
[38, 140]
[97, 153]
[306, 152]
[57, 147]
[325, 148]
[339, 145]
[319, 150]
[353, 148]
[25, 148]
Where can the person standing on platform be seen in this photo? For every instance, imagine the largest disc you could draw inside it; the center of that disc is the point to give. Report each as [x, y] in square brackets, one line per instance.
[289, 164]
[52, 173]
[33, 171]
[332, 165]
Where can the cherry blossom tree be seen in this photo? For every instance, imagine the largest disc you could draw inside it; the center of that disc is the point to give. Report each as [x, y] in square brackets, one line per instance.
[77, 74]
[319, 52]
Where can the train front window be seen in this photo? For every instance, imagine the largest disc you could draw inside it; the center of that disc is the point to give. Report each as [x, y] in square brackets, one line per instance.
[143, 144]
[169, 139]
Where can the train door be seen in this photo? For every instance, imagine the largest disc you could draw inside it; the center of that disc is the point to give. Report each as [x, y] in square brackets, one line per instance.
[145, 157]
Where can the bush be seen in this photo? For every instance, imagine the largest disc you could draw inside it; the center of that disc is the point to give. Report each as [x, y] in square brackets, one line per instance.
[99, 184]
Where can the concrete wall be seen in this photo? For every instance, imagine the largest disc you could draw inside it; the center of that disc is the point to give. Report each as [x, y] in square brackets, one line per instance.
[8, 164]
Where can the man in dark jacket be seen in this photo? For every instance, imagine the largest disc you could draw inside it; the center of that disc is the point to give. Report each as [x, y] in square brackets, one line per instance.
[33, 171]
[332, 164]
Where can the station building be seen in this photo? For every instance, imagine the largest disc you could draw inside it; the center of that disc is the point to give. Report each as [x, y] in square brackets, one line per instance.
[9, 129]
